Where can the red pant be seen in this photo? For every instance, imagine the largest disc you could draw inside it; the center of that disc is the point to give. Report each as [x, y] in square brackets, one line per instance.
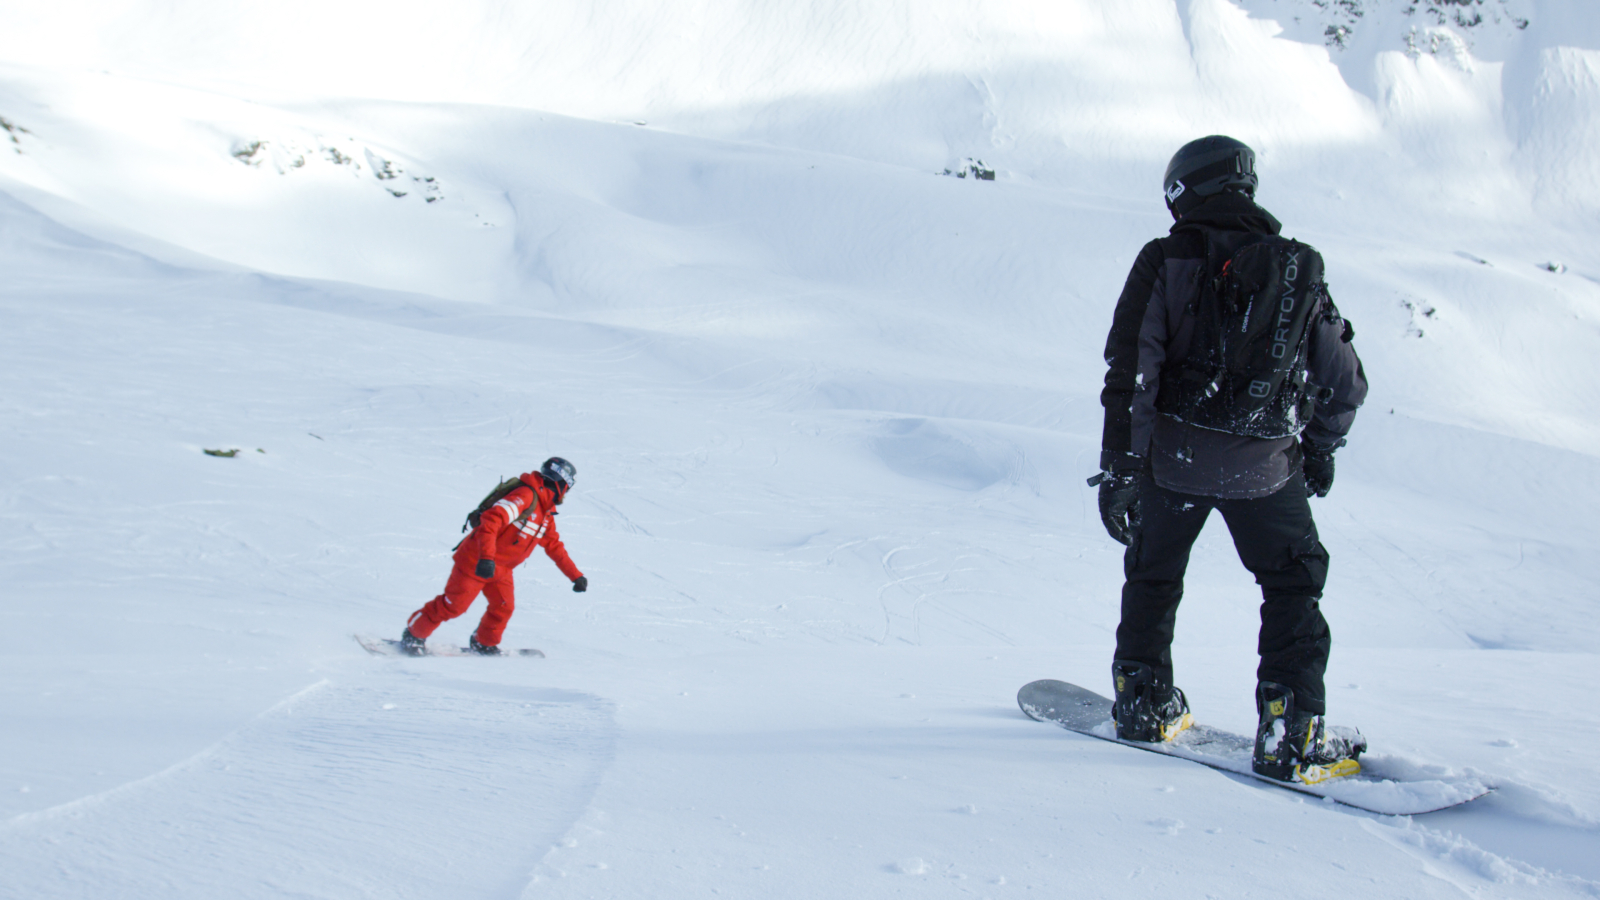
[459, 592]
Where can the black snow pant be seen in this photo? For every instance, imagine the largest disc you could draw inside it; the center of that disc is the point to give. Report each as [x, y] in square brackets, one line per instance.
[1277, 542]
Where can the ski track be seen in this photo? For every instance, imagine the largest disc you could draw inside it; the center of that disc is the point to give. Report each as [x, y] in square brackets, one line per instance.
[387, 785]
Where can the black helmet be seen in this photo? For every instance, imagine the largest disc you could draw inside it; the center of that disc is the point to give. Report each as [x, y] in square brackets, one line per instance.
[1206, 167]
[560, 474]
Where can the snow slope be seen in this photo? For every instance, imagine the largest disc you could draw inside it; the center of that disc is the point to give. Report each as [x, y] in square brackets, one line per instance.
[831, 412]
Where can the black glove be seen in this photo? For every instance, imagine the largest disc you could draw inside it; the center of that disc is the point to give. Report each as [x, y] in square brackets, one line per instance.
[485, 568]
[1317, 463]
[580, 584]
[1119, 503]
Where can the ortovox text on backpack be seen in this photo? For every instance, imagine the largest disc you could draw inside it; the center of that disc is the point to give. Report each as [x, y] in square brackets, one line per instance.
[1245, 371]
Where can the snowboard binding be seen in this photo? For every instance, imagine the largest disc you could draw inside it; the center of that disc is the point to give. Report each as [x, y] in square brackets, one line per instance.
[1146, 710]
[411, 645]
[1300, 747]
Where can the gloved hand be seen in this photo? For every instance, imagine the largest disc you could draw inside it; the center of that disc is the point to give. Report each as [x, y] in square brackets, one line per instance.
[1317, 464]
[485, 568]
[1119, 503]
[580, 584]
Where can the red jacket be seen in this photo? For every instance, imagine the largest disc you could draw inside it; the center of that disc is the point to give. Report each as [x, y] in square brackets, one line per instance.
[508, 531]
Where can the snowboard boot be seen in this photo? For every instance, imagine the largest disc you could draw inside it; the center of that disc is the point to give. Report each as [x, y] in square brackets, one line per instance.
[1144, 709]
[411, 645]
[1296, 746]
[482, 649]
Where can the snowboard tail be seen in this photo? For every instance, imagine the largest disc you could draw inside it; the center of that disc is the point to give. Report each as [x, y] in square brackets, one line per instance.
[379, 646]
[1086, 712]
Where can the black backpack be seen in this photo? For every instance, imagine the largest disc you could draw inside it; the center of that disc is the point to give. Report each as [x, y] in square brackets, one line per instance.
[1245, 372]
[493, 497]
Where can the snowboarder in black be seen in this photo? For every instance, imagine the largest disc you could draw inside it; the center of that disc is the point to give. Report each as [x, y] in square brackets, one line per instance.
[1231, 382]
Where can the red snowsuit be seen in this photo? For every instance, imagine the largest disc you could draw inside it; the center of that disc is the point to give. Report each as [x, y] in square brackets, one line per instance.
[506, 533]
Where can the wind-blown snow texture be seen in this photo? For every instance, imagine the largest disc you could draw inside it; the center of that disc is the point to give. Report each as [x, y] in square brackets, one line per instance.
[832, 413]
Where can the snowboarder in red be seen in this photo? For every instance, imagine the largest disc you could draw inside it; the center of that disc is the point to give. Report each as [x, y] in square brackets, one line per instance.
[504, 536]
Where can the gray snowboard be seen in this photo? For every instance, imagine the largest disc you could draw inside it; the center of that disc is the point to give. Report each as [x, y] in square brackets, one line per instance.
[378, 646]
[1389, 787]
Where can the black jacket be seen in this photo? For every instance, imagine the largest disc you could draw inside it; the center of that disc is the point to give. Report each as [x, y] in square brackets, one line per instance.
[1153, 323]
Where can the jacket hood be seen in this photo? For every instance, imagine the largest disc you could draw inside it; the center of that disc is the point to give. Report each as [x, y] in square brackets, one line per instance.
[1229, 211]
[547, 495]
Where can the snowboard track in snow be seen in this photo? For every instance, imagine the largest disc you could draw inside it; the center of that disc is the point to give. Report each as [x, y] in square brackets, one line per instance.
[302, 800]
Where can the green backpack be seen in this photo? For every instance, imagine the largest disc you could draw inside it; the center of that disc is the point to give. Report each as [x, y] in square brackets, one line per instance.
[493, 497]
